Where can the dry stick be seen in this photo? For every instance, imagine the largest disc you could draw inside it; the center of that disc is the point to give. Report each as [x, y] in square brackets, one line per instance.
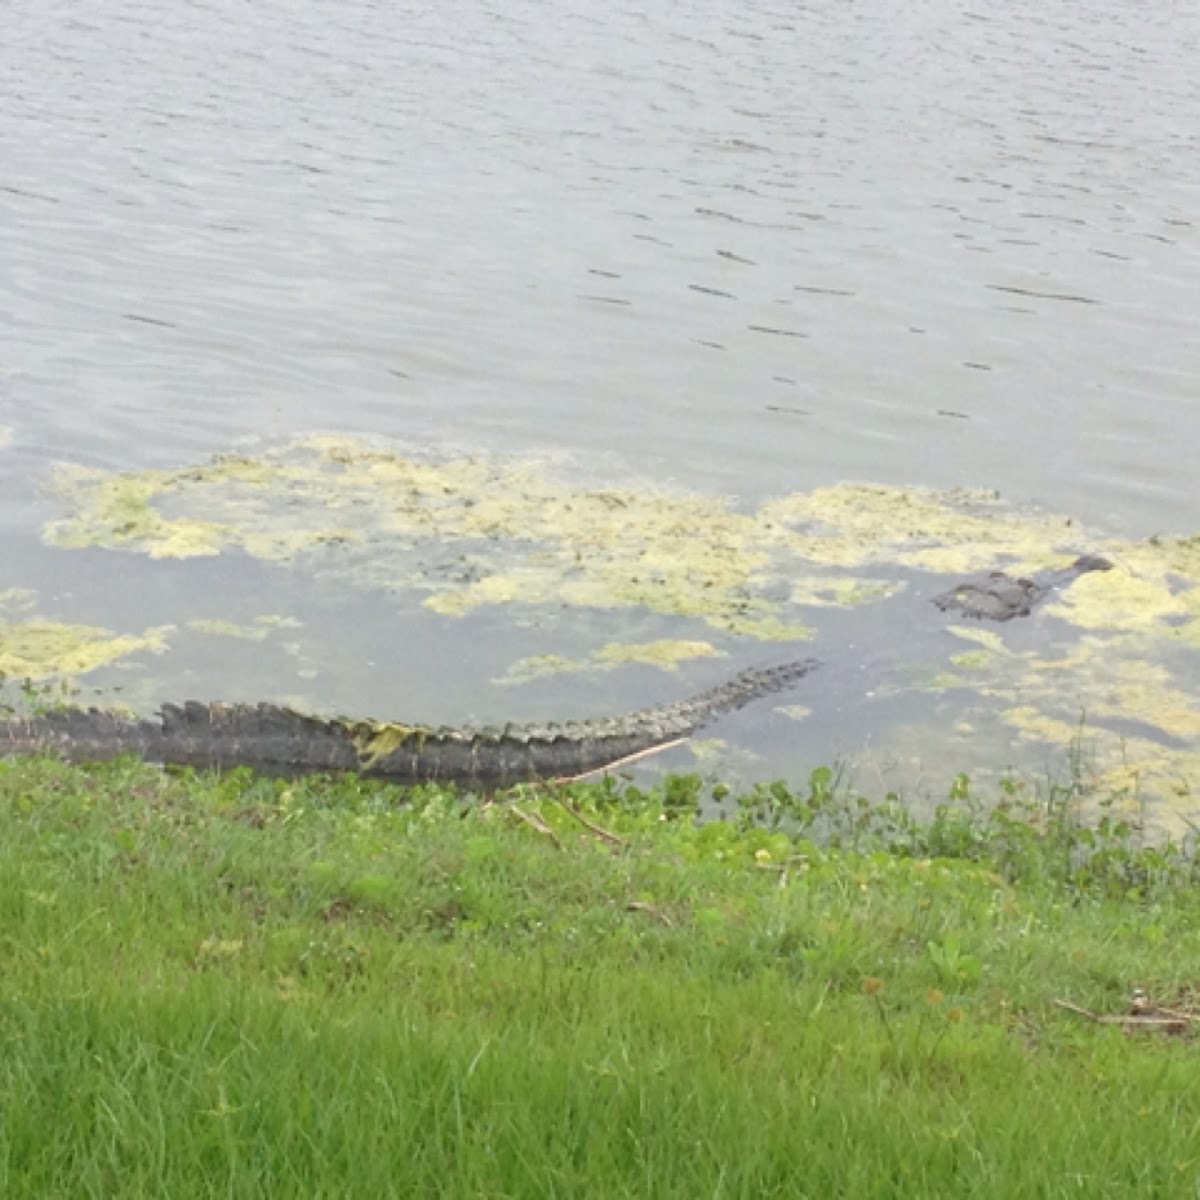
[1179, 1024]
[537, 823]
[604, 834]
[1083, 1012]
[611, 838]
[1131, 1021]
[642, 907]
[620, 762]
[1173, 1014]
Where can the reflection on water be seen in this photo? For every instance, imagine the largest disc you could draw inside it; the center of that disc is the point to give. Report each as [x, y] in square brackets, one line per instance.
[752, 249]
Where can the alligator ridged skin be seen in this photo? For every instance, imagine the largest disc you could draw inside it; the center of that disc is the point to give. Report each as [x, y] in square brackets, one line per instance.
[277, 741]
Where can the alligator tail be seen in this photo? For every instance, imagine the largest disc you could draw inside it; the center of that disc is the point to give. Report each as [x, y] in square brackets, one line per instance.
[278, 741]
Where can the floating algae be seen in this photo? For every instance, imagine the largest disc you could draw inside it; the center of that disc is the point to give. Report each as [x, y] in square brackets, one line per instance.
[846, 592]
[794, 712]
[116, 511]
[1142, 730]
[258, 630]
[665, 653]
[472, 532]
[1161, 600]
[17, 600]
[1128, 767]
[39, 649]
[469, 533]
[538, 666]
[990, 643]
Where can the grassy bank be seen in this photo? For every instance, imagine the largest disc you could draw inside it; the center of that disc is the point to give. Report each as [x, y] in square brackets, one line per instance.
[248, 988]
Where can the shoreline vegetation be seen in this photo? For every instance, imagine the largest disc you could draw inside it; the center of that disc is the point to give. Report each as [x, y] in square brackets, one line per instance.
[224, 984]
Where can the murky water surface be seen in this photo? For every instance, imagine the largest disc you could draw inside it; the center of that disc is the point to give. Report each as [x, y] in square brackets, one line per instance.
[750, 249]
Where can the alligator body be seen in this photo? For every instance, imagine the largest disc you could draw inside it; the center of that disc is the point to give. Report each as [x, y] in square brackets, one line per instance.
[277, 741]
[996, 596]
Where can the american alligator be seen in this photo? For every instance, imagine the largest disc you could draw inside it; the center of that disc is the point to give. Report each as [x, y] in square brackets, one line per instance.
[277, 741]
[996, 596]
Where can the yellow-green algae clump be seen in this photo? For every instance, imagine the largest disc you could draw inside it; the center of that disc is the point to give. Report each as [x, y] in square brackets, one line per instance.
[33, 647]
[1105, 695]
[666, 653]
[376, 741]
[475, 531]
[470, 532]
[258, 630]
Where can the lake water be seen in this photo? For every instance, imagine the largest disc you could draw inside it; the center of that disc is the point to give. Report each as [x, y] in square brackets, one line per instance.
[745, 249]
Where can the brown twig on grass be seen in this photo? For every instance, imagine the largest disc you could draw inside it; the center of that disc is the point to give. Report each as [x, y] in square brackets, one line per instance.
[603, 834]
[642, 907]
[1083, 1012]
[1166, 1020]
[536, 822]
[620, 762]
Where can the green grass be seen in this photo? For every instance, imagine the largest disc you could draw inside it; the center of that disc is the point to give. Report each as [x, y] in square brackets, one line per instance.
[236, 987]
